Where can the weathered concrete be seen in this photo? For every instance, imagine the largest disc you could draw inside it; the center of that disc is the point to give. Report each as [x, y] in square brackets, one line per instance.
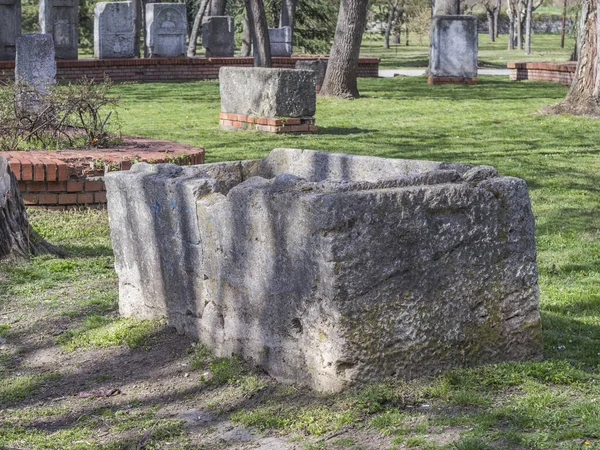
[329, 269]
[10, 28]
[166, 29]
[218, 36]
[454, 47]
[281, 41]
[113, 30]
[260, 92]
[59, 18]
[317, 66]
[35, 70]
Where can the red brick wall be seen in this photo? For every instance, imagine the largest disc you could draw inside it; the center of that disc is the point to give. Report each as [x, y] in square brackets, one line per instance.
[166, 69]
[553, 72]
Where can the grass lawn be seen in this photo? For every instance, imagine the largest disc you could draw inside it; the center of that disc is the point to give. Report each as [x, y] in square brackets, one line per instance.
[60, 333]
[544, 47]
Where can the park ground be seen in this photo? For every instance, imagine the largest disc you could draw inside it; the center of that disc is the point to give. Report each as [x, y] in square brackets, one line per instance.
[61, 336]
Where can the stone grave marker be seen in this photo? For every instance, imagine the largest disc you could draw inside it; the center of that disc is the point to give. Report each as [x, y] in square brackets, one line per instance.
[35, 69]
[59, 19]
[218, 36]
[317, 66]
[10, 28]
[281, 41]
[166, 29]
[113, 30]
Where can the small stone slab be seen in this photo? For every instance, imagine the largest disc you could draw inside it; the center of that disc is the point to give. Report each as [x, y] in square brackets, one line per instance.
[166, 29]
[59, 18]
[218, 36]
[318, 66]
[10, 28]
[281, 41]
[35, 69]
[114, 30]
[454, 47]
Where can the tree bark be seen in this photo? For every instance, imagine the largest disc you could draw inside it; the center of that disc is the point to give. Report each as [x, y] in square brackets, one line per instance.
[583, 98]
[18, 240]
[447, 7]
[519, 30]
[217, 7]
[193, 44]
[496, 16]
[137, 27]
[259, 30]
[246, 37]
[511, 25]
[390, 23]
[528, 27]
[490, 19]
[342, 69]
[563, 25]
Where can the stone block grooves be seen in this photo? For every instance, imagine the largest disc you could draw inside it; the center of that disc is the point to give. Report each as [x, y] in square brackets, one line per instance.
[328, 269]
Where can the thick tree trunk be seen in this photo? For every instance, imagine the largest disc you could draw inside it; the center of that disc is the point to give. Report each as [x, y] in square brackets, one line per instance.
[193, 44]
[528, 27]
[259, 29]
[288, 14]
[583, 98]
[18, 240]
[342, 69]
[490, 19]
[246, 37]
[217, 7]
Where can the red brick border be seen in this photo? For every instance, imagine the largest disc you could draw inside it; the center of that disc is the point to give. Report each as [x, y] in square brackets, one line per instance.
[286, 125]
[66, 179]
[451, 80]
[169, 69]
[540, 71]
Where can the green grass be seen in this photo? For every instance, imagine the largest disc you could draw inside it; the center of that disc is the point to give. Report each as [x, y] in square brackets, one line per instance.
[547, 404]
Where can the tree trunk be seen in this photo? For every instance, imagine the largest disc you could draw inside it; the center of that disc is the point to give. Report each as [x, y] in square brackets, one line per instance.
[137, 27]
[18, 240]
[511, 29]
[563, 25]
[342, 69]
[259, 30]
[388, 26]
[528, 27]
[288, 15]
[192, 45]
[496, 16]
[490, 19]
[246, 37]
[217, 7]
[583, 98]
[447, 7]
[519, 31]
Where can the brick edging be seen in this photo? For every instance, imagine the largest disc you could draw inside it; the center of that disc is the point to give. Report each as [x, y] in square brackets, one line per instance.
[451, 80]
[542, 71]
[230, 121]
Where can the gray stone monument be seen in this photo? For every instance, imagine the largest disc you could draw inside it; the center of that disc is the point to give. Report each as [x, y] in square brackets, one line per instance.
[59, 19]
[281, 41]
[35, 69]
[166, 29]
[454, 46]
[10, 28]
[328, 269]
[113, 30]
[218, 36]
[317, 66]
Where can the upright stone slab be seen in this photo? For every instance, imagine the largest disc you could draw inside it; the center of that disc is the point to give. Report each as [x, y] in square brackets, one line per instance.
[454, 46]
[281, 41]
[10, 28]
[35, 69]
[166, 29]
[59, 19]
[218, 36]
[329, 269]
[317, 66]
[114, 30]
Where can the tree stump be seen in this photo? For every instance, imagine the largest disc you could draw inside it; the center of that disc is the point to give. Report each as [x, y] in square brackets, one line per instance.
[18, 240]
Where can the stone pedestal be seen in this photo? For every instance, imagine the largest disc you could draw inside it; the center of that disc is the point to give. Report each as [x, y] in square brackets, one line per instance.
[318, 67]
[453, 56]
[59, 19]
[274, 100]
[10, 28]
[328, 269]
[113, 30]
[166, 29]
[281, 41]
[35, 69]
[218, 36]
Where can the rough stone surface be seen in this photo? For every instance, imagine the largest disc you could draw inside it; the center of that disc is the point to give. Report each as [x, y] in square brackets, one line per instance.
[113, 30]
[10, 28]
[281, 41]
[166, 29]
[35, 69]
[317, 66]
[260, 92]
[59, 18]
[218, 36]
[454, 47]
[329, 269]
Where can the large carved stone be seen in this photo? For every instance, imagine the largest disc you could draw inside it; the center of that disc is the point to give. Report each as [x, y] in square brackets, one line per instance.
[166, 29]
[35, 70]
[113, 30]
[10, 28]
[328, 269]
[59, 19]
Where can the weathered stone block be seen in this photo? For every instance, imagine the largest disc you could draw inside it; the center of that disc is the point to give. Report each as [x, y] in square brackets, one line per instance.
[10, 28]
[260, 92]
[328, 269]
[218, 36]
[166, 29]
[59, 18]
[35, 69]
[317, 66]
[454, 47]
[281, 41]
[114, 30]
